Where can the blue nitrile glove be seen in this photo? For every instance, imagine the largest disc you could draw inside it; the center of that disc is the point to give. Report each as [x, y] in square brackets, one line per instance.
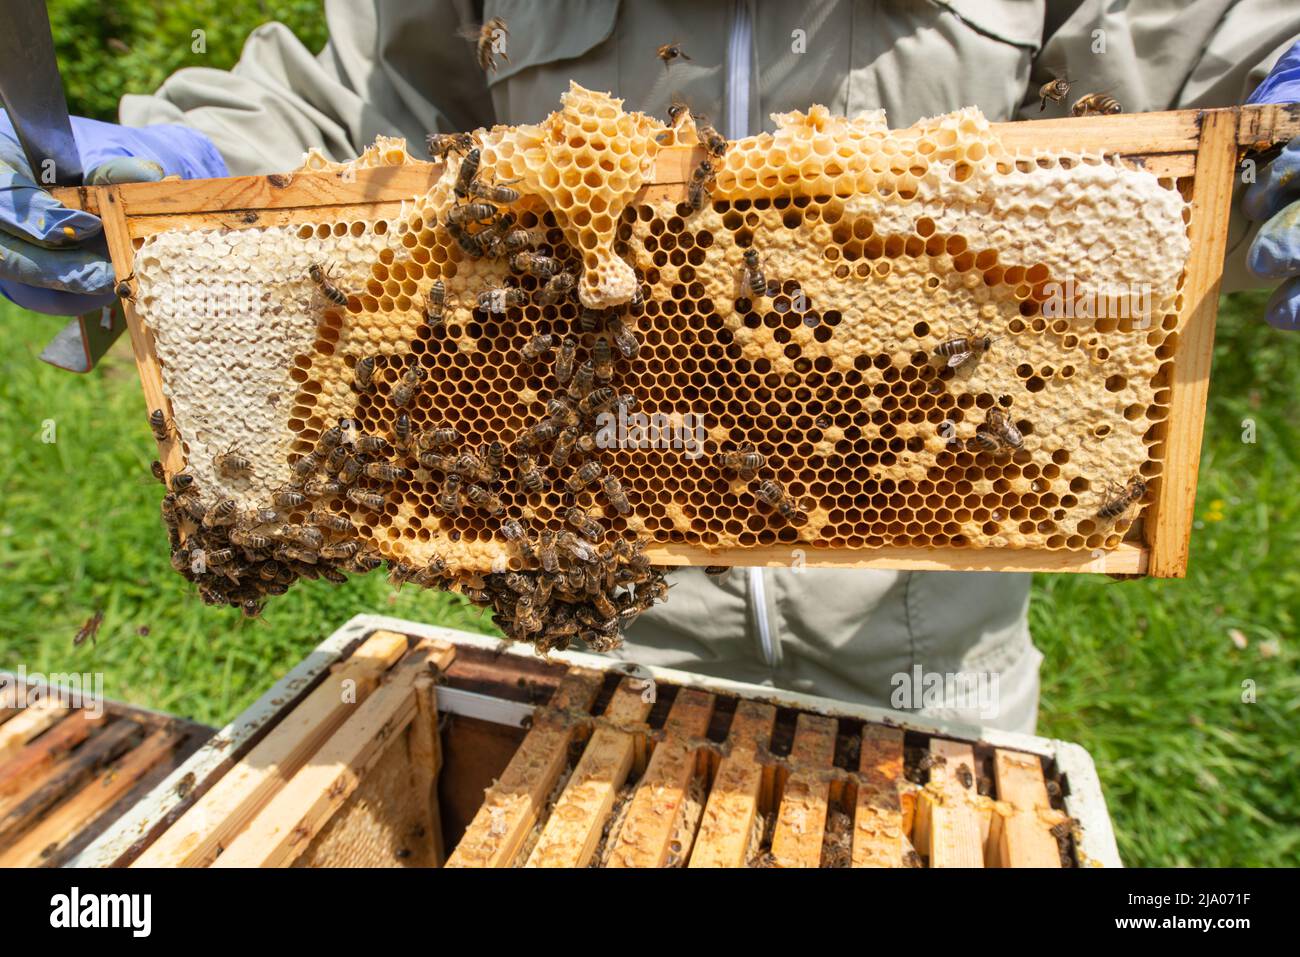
[54, 259]
[1274, 200]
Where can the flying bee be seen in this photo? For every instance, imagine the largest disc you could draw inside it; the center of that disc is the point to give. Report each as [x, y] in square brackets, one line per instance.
[385, 472]
[331, 520]
[1115, 507]
[404, 392]
[565, 359]
[745, 461]
[583, 380]
[962, 349]
[449, 496]
[1055, 90]
[625, 340]
[489, 41]
[435, 304]
[501, 298]
[771, 493]
[669, 52]
[161, 428]
[751, 275]
[363, 376]
[371, 500]
[442, 145]
[615, 493]
[584, 475]
[535, 265]
[530, 476]
[286, 497]
[88, 630]
[1096, 104]
[470, 213]
[484, 500]
[322, 277]
[563, 447]
[585, 525]
[602, 359]
[373, 444]
[499, 193]
[597, 401]
[537, 346]
[701, 180]
[467, 173]
[222, 513]
[556, 288]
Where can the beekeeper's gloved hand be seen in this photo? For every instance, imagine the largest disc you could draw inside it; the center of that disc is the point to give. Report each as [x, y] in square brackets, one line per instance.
[54, 259]
[1274, 200]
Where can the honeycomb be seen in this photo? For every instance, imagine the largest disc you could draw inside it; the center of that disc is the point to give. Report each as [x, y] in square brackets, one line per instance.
[875, 249]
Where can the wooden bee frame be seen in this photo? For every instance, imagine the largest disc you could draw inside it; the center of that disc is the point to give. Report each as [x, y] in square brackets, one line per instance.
[1199, 148]
[579, 759]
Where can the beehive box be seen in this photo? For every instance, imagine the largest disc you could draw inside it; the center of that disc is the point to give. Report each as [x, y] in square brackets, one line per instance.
[877, 248]
[578, 760]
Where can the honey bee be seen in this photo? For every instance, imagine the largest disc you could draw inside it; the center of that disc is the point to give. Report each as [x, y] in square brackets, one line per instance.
[296, 554]
[535, 264]
[501, 193]
[253, 540]
[1096, 104]
[1055, 90]
[371, 500]
[363, 376]
[625, 340]
[467, 172]
[161, 428]
[576, 547]
[669, 52]
[435, 304]
[701, 181]
[350, 471]
[712, 141]
[222, 513]
[465, 213]
[590, 320]
[961, 350]
[502, 298]
[539, 433]
[627, 404]
[264, 516]
[437, 461]
[331, 520]
[517, 240]
[546, 551]
[752, 277]
[305, 535]
[322, 277]
[449, 496]
[373, 444]
[182, 482]
[602, 359]
[557, 287]
[286, 497]
[404, 392]
[484, 500]
[330, 439]
[494, 457]
[512, 530]
[530, 477]
[1115, 507]
[583, 379]
[564, 360]
[232, 463]
[158, 471]
[585, 525]
[597, 401]
[586, 443]
[615, 493]
[998, 432]
[88, 630]
[306, 465]
[745, 461]
[561, 412]
[468, 243]
[469, 466]
[563, 447]
[489, 40]
[220, 556]
[440, 438]
[771, 493]
[537, 346]
[584, 475]
[442, 145]
[385, 472]
[717, 571]
[340, 550]
[402, 431]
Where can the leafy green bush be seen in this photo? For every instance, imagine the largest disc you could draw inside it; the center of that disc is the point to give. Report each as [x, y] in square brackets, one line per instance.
[110, 47]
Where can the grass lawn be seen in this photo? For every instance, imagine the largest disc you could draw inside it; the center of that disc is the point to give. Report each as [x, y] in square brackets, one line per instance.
[1145, 675]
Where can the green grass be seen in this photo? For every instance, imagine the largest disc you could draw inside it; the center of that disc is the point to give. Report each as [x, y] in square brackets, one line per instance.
[1143, 674]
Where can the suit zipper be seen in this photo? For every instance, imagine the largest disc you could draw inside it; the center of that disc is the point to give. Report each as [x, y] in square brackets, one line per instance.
[768, 642]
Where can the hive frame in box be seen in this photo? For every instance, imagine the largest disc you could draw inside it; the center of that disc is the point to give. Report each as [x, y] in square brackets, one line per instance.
[1201, 145]
[130, 834]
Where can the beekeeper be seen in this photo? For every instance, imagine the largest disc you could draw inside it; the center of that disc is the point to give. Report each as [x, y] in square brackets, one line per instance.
[399, 67]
